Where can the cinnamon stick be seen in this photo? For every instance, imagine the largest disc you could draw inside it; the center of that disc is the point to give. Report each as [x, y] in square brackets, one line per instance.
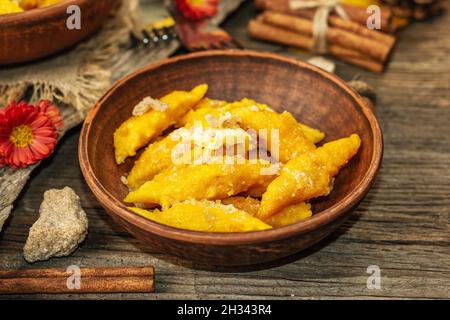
[360, 15]
[92, 280]
[262, 31]
[374, 49]
[333, 20]
[355, 13]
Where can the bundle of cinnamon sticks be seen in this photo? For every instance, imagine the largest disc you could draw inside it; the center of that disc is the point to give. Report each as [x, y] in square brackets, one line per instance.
[348, 40]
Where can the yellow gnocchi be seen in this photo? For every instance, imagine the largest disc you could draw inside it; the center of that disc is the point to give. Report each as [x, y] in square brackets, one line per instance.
[205, 216]
[225, 166]
[139, 130]
[308, 176]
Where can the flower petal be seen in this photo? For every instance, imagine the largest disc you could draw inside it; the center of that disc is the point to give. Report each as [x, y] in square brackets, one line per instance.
[45, 132]
[45, 140]
[39, 122]
[40, 150]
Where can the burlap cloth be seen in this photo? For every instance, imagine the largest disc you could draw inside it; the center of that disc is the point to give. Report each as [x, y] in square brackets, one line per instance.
[77, 79]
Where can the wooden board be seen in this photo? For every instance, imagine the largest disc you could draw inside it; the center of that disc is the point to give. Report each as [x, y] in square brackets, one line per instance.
[403, 226]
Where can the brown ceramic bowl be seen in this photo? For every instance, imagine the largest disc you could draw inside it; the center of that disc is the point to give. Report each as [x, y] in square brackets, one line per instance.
[39, 33]
[312, 95]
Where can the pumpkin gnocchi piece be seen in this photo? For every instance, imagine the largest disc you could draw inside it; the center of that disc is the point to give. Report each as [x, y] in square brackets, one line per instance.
[247, 204]
[246, 112]
[200, 110]
[211, 181]
[185, 146]
[292, 142]
[206, 216]
[33, 4]
[29, 4]
[209, 117]
[156, 158]
[7, 6]
[196, 117]
[21, 5]
[214, 114]
[139, 130]
[210, 103]
[45, 3]
[290, 215]
[287, 216]
[251, 104]
[308, 176]
[313, 135]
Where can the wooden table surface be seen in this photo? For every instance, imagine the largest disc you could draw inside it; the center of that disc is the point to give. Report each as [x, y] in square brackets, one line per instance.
[402, 226]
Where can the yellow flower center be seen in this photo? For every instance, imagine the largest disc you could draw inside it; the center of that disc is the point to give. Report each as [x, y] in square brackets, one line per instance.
[196, 2]
[21, 136]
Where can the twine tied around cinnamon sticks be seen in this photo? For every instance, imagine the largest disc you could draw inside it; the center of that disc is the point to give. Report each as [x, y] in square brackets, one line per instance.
[320, 20]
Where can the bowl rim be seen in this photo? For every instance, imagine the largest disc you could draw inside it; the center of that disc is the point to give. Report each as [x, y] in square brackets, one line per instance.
[115, 207]
[32, 16]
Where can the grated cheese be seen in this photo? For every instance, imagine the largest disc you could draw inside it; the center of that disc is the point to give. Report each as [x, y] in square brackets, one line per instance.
[147, 104]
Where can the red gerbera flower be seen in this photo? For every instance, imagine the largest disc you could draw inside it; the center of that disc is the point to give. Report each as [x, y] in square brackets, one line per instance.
[52, 112]
[26, 135]
[197, 9]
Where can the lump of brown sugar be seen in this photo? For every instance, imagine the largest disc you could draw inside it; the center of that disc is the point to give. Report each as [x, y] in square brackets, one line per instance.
[61, 227]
